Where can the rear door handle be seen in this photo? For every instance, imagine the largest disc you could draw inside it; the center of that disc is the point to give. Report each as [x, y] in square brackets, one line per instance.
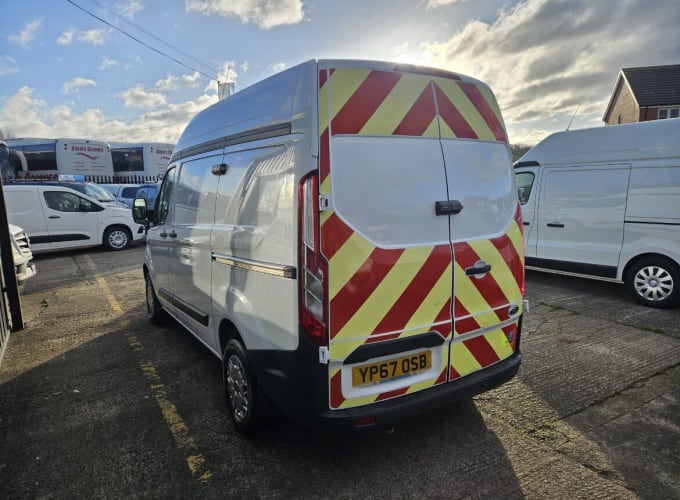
[447, 207]
[54, 217]
[555, 224]
[480, 268]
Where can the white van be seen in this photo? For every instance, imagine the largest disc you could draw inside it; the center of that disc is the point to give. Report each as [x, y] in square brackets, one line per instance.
[346, 237]
[605, 203]
[58, 218]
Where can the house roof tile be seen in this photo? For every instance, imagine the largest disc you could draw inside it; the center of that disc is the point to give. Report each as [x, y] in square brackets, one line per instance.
[654, 85]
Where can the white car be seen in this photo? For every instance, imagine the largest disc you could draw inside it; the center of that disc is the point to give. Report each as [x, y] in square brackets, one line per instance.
[59, 218]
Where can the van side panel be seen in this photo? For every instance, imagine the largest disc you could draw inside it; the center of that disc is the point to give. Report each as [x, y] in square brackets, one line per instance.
[25, 209]
[254, 228]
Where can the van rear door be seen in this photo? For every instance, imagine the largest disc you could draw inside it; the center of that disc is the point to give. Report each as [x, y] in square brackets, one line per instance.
[486, 234]
[390, 229]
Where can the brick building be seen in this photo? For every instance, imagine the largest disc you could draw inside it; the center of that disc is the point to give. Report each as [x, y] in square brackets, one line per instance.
[643, 94]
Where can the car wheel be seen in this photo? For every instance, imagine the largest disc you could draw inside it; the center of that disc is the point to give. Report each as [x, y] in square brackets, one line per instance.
[154, 310]
[117, 238]
[241, 389]
[654, 282]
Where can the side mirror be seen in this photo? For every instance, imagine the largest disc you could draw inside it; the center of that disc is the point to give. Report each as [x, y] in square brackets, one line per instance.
[140, 213]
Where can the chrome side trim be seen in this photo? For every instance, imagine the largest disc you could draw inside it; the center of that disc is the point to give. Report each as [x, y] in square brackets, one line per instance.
[279, 270]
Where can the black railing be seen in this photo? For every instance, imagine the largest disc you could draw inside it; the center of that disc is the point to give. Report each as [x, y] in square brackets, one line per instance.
[99, 179]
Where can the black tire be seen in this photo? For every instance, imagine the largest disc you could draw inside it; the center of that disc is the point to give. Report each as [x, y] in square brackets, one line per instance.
[154, 310]
[117, 238]
[654, 281]
[240, 388]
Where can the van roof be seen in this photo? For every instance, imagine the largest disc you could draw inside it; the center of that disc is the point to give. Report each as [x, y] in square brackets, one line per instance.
[271, 106]
[631, 141]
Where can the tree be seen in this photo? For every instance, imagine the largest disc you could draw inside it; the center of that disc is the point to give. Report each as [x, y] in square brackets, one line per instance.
[518, 150]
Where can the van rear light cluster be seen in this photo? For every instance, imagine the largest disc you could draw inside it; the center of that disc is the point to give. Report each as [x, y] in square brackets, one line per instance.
[313, 267]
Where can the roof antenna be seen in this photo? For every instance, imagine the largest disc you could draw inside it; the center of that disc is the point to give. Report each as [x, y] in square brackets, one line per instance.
[573, 116]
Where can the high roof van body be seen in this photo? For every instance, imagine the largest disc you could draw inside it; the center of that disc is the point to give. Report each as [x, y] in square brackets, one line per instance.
[605, 203]
[346, 237]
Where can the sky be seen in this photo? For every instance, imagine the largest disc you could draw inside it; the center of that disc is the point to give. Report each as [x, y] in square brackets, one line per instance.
[138, 70]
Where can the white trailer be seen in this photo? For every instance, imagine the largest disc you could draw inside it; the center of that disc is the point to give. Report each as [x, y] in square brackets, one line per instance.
[146, 159]
[53, 157]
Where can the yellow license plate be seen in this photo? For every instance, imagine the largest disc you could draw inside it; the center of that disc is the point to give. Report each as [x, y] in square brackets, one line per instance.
[374, 373]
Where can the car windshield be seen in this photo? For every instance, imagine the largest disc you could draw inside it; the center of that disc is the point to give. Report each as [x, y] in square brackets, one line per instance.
[97, 192]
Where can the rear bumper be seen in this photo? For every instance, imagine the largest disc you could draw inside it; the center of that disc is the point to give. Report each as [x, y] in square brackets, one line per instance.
[411, 405]
[297, 384]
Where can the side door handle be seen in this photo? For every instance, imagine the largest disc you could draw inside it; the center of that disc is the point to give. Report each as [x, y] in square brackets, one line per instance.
[555, 224]
[54, 217]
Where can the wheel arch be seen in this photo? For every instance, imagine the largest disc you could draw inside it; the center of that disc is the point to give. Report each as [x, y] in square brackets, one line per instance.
[228, 331]
[637, 258]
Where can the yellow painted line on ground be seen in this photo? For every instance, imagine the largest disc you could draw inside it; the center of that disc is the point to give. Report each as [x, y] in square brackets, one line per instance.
[179, 430]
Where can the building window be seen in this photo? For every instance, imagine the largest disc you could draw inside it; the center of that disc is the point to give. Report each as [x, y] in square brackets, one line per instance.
[665, 113]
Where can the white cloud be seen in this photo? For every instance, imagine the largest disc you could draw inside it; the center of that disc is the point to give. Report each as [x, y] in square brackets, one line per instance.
[276, 68]
[130, 8]
[139, 97]
[74, 85]
[66, 37]
[108, 63]
[27, 34]
[263, 13]
[172, 82]
[544, 58]
[432, 4]
[28, 116]
[8, 66]
[95, 37]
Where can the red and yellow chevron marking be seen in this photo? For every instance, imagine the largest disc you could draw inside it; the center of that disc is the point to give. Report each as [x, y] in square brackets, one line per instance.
[484, 303]
[372, 102]
[379, 294]
[478, 352]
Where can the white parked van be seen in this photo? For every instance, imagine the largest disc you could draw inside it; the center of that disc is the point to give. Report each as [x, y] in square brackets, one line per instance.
[605, 202]
[58, 218]
[346, 237]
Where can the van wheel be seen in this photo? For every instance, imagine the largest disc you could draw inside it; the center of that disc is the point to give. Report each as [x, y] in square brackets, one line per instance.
[241, 390]
[117, 238]
[654, 282]
[154, 310]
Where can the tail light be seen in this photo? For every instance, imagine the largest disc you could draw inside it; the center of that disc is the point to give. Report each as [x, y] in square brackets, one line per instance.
[313, 267]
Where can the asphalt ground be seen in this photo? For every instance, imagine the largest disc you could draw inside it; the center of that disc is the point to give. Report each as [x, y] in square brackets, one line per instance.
[97, 403]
